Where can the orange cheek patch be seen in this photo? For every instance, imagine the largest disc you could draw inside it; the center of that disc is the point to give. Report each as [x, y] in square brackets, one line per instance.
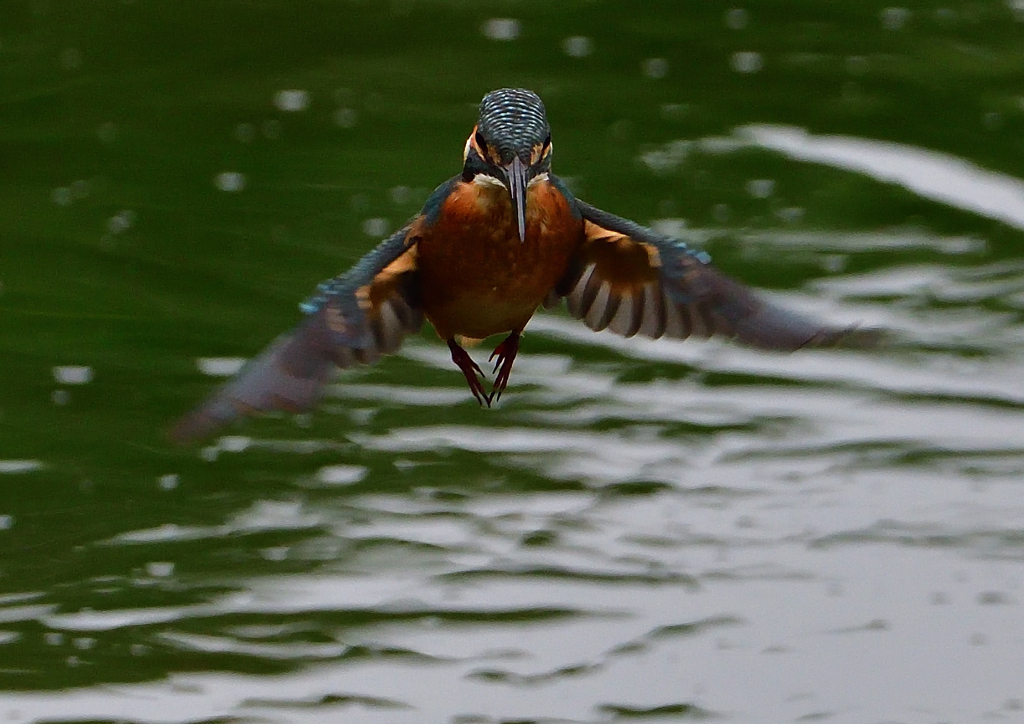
[492, 155]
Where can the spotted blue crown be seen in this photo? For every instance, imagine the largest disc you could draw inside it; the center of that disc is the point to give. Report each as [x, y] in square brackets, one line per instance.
[513, 120]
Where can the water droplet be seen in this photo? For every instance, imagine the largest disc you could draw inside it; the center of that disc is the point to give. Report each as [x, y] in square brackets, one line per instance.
[121, 221]
[834, 263]
[234, 443]
[791, 214]
[230, 181]
[760, 188]
[6, 521]
[168, 482]
[19, 466]
[655, 68]
[674, 111]
[219, 366]
[361, 416]
[83, 643]
[107, 132]
[400, 195]
[72, 661]
[747, 61]
[71, 59]
[159, 569]
[279, 553]
[737, 19]
[60, 397]
[62, 196]
[292, 100]
[341, 474]
[344, 117]
[503, 29]
[577, 46]
[894, 18]
[377, 227]
[53, 638]
[72, 374]
[245, 132]
[671, 227]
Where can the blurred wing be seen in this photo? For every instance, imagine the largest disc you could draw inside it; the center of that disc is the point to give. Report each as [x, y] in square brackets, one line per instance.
[632, 280]
[353, 318]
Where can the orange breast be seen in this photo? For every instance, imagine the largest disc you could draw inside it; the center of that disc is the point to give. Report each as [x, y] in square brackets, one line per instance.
[476, 277]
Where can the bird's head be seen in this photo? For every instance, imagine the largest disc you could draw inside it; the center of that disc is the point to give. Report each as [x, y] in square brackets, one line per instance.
[511, 143]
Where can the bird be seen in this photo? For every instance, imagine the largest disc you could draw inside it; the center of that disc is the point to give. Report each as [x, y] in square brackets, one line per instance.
[491, 246]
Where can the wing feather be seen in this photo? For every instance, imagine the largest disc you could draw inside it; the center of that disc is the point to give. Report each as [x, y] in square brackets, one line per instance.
[602, 307]
[353, 319]
[654, 321]
[636, 281]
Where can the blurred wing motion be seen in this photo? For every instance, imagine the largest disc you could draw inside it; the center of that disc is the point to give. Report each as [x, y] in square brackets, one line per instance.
[353, 318]
[631, 280]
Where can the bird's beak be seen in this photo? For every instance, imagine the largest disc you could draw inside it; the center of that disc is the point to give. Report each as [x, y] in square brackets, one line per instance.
[517, 178]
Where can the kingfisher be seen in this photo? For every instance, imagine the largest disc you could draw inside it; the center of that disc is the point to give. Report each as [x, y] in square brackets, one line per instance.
[490, 247]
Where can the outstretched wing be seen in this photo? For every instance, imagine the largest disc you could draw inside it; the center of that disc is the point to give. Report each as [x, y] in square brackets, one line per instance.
[632, 280]
[353, 318]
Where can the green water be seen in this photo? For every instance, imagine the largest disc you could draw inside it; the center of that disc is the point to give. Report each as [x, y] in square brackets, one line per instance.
[641, 530]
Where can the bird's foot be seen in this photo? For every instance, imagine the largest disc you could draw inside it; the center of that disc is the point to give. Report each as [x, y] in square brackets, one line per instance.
[506, 354]
[471, 370]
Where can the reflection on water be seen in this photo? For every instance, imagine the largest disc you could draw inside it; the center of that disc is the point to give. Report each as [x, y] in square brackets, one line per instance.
[640, 530]
[704, 530]
[938, 176]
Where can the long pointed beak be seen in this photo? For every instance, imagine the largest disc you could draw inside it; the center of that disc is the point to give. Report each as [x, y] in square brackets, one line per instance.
[517, 176]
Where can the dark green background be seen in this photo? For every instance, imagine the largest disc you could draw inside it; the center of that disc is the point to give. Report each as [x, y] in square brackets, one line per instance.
[115, 107]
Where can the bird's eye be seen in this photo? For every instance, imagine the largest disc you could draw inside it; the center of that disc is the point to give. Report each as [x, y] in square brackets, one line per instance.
[547, 141]
[481, 141]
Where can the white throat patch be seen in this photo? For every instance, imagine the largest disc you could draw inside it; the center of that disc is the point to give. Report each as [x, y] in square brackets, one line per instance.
[482, 179]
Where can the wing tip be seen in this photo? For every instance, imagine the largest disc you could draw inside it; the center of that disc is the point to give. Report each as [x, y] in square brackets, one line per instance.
[191, 429]
[204, 421]
[852, 337]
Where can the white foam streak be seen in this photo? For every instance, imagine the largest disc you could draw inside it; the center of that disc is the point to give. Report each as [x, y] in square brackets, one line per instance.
[933, 175]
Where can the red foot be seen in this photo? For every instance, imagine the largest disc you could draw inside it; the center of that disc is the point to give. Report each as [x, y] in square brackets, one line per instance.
[470, 369]
[506, 354]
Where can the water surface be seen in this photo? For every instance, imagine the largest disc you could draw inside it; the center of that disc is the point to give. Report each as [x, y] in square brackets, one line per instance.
[641, 530]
